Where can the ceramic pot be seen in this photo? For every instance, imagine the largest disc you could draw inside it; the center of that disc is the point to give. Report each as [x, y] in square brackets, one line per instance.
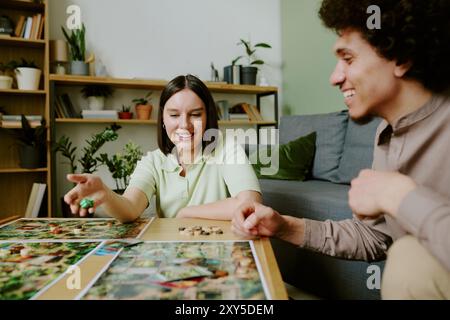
[143, 111]
[28, 78]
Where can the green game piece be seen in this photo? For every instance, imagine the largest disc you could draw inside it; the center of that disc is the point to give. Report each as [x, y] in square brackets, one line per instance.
[87, 203]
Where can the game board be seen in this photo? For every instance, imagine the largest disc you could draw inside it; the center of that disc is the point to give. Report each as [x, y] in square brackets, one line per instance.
[72, 229]
[28, 268]
[180, 270]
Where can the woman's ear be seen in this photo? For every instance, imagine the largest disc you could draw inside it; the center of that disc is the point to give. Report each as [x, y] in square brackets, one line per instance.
[401, 69]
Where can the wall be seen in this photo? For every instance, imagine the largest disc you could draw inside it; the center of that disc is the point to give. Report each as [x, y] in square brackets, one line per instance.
[307, 60]
[159, 39]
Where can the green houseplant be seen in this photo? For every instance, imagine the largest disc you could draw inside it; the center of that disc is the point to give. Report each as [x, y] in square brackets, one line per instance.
[77, 43]
[32, 142]
[122, 165]
[96, 95]
[143, 106]
[88, 161]
[249, 71]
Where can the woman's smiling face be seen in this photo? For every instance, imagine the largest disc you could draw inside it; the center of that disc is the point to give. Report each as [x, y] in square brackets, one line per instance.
[184, 118]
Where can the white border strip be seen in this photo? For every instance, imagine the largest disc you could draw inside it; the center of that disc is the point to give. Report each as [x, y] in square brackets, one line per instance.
[260, 271]
[97, 276]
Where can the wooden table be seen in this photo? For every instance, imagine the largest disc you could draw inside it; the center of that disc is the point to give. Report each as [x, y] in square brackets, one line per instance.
[164, 229]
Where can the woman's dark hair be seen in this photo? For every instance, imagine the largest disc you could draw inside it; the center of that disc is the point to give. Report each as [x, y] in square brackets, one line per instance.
[415, 31]
[201, 90]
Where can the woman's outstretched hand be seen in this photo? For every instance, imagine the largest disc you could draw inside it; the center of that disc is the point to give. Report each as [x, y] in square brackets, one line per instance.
[88, 187]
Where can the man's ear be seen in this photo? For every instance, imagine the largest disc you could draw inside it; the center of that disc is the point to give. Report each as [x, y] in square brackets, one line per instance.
[401, 69]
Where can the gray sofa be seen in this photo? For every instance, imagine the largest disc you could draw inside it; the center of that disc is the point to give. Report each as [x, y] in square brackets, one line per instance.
[343, 148]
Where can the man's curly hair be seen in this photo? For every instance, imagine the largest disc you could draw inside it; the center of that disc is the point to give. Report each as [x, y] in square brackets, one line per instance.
[415, 31]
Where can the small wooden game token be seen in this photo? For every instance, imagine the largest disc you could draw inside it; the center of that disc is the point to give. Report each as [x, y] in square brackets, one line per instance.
[219, 232]
[25, 253]
[197, 232]
[245, 262]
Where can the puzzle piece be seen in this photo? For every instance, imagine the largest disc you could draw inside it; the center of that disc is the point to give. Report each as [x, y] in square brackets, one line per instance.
[199, 231]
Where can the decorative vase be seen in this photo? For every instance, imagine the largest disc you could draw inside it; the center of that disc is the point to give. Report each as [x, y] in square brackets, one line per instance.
[79, 68]
[125, 115]
[96, 103]
[143, 111]
[6, 82]
[28, 78]
[248, 75]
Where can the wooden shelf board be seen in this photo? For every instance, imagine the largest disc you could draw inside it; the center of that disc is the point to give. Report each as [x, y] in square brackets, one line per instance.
[122, 121]
[21, 170]
[154, 84]
[21, 42]
[22, 92]
[22, 5]
[221, 122]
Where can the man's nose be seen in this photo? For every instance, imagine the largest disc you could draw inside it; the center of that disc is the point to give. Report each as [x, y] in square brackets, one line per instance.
[337, 77]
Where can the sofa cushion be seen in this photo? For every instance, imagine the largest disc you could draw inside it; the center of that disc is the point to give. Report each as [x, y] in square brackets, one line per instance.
[358, 150]
[313, 199]
[330, 130]
[294, 161]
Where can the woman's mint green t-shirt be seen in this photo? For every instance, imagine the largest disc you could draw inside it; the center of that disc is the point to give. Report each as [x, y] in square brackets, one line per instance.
[224, 173]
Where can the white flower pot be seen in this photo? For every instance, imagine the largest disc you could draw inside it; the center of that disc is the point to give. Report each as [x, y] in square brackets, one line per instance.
[96, 103]
[6, 82]
[28, 78]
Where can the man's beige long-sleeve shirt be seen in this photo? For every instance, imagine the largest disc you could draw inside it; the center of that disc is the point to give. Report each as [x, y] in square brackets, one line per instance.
[417, 145]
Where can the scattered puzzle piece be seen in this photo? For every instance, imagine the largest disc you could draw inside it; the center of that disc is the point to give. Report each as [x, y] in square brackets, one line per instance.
[199, 231]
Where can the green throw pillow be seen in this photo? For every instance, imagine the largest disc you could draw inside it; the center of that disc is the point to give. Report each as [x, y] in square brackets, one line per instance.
[295, 159]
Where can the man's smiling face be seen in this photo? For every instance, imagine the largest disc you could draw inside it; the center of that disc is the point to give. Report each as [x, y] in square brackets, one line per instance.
[367, 80]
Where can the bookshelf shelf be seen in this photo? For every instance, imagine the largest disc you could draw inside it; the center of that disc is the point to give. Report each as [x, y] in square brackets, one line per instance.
[154, 122]
[122, 121]
[23, 5]
[23, 92]
[21, 42]
[69, 80]
[20, 170]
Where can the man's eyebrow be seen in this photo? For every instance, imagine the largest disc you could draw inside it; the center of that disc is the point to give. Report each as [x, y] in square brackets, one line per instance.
[341, 51]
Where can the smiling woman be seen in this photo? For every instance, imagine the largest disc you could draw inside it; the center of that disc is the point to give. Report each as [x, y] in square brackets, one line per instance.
[186, 180]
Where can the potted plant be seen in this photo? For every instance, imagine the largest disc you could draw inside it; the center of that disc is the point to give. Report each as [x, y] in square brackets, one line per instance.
[96, 95]
[231, 73]
[28, 75]
[6, 75]
[32, 141]
[88, 161]
[77, 43]
[122, 165]
[143, 107]
[249, 72]
[125, 113]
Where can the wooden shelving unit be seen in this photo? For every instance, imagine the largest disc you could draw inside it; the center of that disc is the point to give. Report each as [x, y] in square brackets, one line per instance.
[16, 182]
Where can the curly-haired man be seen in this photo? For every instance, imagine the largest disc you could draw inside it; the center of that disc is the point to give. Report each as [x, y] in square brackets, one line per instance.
[399, 72]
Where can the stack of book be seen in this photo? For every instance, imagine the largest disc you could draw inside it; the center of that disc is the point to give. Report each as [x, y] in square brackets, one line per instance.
[31, 27]
[245, 111]
[15, 121]
[64, 107]
[35, 200]
[100, 114]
